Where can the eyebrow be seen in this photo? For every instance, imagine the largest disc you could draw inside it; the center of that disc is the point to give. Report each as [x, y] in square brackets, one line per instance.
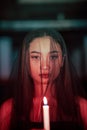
[35, 52]
[54, 51]
[49, 52]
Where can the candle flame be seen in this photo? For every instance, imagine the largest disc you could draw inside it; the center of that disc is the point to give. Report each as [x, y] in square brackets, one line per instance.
[45, 100]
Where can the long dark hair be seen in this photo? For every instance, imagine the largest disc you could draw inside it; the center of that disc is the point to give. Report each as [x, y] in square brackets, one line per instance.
[66, 84]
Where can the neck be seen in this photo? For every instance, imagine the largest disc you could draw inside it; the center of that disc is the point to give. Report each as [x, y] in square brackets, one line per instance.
[44, 90]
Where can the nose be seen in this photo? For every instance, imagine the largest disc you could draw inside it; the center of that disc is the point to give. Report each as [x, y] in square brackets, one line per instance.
[45, 64]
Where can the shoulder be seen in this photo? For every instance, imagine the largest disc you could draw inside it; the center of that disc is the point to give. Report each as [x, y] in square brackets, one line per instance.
[5, 114]
[83, 109]
[6, 107]
[83, 104]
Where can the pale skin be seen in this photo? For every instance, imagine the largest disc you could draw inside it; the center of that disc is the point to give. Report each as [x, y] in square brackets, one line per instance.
[40, 53]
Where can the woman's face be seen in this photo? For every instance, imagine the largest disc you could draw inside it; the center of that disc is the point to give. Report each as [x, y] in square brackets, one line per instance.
[45, 60]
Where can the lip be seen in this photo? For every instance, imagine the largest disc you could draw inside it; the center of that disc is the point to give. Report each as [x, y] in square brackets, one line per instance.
[44, 76]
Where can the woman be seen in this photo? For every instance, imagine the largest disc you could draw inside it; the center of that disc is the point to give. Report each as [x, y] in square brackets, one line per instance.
[44, 69]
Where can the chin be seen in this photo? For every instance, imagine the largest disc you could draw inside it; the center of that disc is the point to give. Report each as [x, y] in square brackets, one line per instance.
[45, 82]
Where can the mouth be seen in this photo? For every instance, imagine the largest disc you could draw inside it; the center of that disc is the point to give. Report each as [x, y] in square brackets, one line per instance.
[46, 76]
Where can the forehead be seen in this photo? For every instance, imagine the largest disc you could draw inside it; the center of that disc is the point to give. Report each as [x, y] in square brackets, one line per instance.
[45, 43]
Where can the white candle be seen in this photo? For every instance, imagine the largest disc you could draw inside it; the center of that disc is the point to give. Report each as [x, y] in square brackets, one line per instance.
[46, 118]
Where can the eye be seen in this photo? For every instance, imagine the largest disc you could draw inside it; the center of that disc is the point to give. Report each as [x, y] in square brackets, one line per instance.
[35, 57]
[53, 57]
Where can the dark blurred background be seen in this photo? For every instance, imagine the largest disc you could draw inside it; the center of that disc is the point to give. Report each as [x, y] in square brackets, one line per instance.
[17, 17]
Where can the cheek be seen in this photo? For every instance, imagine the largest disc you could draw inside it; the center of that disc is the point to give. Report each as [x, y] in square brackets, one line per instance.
[55, 69]
[35, 69]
